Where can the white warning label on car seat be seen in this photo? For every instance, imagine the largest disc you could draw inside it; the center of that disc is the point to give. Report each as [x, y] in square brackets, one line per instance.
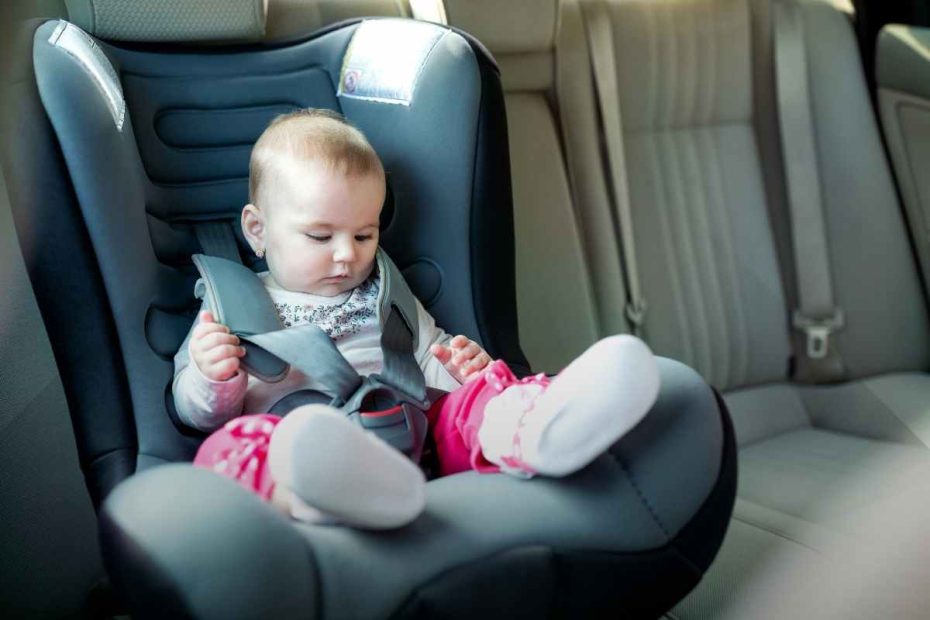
[385, 58]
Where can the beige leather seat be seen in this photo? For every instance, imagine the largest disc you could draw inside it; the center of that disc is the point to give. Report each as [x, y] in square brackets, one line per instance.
[288, 19]
[707, 188]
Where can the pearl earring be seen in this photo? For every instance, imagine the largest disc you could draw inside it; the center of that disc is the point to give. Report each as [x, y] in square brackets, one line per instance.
[260, 252]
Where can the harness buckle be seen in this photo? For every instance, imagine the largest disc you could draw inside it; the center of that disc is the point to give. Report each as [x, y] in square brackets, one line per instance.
[818, 331]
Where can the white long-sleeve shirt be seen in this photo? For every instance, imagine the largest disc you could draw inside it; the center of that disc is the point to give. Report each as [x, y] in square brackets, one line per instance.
[350, 319]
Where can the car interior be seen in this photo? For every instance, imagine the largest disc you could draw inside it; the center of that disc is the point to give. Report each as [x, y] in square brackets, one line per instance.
[736, 182]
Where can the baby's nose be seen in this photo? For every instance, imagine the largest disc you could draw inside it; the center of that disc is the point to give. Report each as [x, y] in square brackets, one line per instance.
[344, 252]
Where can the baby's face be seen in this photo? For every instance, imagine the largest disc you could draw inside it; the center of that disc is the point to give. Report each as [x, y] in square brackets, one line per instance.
[321, 232]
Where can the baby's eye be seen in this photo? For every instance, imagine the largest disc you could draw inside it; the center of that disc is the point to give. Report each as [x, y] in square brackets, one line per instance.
[363, 237]
[320, 238]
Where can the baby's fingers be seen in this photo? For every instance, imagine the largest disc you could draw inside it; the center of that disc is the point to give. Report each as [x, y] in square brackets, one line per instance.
[215, 339]
[223, 352]
[459, 341]
[466, 353]
[443, 354]
[474, 368]
[205, 329]
[224, 369]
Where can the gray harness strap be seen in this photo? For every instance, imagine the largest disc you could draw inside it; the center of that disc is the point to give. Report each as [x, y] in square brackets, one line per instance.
[308, 349]
[239, 300]
[400, 366]
[217, 238]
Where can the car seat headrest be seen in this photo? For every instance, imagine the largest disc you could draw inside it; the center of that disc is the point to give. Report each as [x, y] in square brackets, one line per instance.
[175, 21]
[519, 26]
[292, 19]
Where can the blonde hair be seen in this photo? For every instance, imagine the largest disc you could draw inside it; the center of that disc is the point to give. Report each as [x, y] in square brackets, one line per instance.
[311, 135]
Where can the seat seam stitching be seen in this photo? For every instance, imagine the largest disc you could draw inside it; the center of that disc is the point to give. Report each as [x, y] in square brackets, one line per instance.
[641, 495]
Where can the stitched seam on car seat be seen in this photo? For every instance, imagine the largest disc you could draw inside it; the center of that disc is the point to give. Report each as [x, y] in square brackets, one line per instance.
[892, 411]
[642, 496]
[773, 531]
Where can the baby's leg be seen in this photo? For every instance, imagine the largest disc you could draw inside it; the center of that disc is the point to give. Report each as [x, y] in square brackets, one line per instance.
[593, 402]
[338, 472]
[317, 466]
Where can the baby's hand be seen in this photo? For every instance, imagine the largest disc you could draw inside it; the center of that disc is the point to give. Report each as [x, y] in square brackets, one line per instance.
[463, 358]
[214, 350]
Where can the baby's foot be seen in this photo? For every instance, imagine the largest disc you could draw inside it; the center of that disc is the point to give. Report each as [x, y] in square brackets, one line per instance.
[592, 403]
[341, 473]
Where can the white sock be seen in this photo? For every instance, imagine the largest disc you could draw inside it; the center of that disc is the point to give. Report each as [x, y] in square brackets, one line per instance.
[590, 405]
[342, 473]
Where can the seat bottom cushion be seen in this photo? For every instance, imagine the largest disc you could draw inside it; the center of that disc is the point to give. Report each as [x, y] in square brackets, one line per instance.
[832, 455]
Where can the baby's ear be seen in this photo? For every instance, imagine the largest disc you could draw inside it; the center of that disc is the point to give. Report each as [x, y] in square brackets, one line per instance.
[253, 226]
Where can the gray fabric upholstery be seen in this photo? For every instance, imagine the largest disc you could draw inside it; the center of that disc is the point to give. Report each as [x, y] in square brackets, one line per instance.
[170, 20]
[51, 559]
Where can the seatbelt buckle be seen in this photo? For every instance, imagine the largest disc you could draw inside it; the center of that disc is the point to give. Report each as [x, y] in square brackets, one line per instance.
[636, 312]
[818, 331]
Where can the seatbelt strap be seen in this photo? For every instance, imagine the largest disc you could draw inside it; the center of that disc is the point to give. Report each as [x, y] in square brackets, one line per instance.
[817, 316]
[601, 46]
[217, 238]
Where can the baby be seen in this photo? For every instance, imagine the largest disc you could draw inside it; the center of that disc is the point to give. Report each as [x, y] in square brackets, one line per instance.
[316, 189]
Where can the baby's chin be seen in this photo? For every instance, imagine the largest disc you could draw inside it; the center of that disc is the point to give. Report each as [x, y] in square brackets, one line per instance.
[331, 288]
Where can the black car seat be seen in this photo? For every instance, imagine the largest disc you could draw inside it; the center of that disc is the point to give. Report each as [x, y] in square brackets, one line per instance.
[134, 156]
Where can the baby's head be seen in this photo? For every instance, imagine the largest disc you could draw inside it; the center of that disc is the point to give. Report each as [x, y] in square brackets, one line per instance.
[316, 187]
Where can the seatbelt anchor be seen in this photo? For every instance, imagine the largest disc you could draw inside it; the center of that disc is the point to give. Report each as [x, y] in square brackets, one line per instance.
[818, 331]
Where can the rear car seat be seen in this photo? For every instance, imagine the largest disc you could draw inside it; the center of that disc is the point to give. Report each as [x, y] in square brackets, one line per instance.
[707, 187]
[139, 149]
[696, 111]
[696, 90]
[293, 19]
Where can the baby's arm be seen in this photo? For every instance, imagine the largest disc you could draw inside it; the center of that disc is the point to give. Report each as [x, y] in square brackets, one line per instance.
[209, 385]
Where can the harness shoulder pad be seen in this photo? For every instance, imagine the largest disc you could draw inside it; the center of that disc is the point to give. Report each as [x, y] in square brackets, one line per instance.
[395, 293]
[238, 299]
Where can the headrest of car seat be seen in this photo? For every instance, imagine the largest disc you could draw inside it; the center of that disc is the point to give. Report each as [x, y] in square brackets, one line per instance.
[515, 26]
[291, 19]
[176, 21]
